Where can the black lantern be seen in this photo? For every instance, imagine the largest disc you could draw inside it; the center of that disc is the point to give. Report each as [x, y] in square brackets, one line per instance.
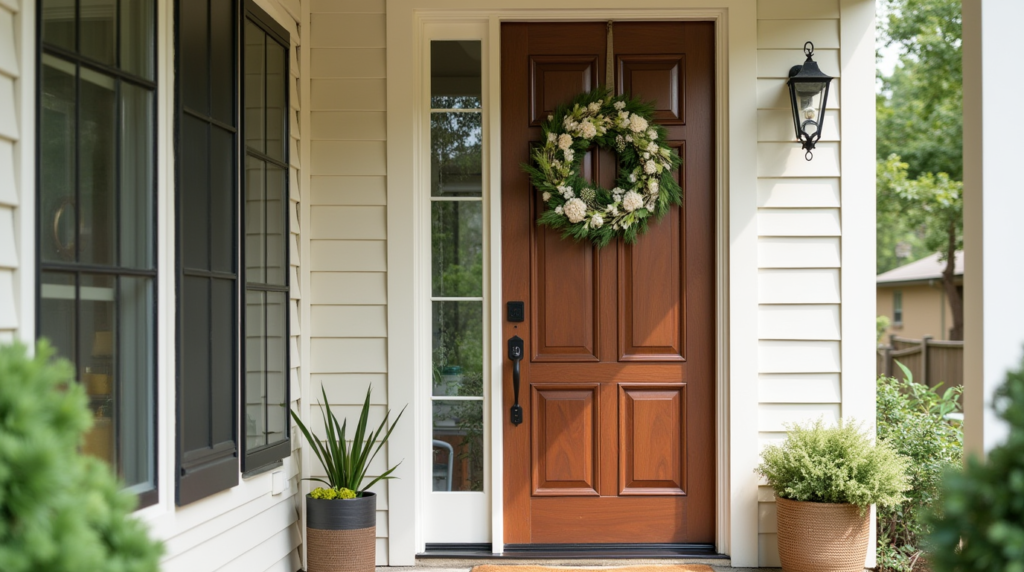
[808, 92]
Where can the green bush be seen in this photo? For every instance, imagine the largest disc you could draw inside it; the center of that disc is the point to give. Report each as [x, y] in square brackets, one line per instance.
[59, 509]
[911, 417]
[979, 524]
[820, 463]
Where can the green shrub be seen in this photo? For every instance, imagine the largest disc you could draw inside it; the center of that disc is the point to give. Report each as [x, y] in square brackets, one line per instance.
[911, 417]
[840, 464]
[332, 494]
[59, 509]
[979, 524]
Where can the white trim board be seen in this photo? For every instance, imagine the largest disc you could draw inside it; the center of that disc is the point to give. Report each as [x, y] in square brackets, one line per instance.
[736, 105]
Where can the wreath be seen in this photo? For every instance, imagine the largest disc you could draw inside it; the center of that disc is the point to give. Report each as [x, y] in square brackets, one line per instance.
[644, 186]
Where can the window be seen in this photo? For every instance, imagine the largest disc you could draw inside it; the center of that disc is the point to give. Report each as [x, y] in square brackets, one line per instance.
[95, 235]
[232, 71]
[897, 307]
[457, 266]
[265, 413]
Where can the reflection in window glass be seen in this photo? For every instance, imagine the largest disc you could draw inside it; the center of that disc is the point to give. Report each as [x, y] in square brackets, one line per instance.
[455, 75]
[456, 169]
[458, 348]
[458, 447]
[457, 248]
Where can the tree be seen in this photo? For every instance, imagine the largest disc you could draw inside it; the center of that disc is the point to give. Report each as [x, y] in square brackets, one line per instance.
[920, 139]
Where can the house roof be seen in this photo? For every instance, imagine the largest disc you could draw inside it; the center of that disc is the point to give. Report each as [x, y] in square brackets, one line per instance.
[927, 268]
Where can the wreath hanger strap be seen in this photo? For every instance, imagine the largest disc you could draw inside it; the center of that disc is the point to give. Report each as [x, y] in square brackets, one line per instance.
[609, 60]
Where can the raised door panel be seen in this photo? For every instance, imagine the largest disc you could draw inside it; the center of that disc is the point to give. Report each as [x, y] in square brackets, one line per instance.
[554, 80]
[565, 439]
[656, 78]
[652, 439]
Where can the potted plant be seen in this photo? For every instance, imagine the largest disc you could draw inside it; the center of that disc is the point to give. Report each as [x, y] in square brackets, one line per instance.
[341, 519]
[825, 479]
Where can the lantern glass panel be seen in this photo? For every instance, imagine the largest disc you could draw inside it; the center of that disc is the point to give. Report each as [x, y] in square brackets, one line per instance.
[809, 101]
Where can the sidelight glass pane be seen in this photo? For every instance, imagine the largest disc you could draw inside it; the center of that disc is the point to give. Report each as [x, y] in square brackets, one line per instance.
[255, 82]
[255, 374]
[277, 104]
[136, 240]
[277, 239]
[456, 166]
[458, 446]
[458, 348]
[277, 366]
[58, 19]
[98, 26]
[57, 212]
[97, 179]
[138, 31]
[457, 248]
[136, 399]
[97, 361]
[255, 218]
[455, 74]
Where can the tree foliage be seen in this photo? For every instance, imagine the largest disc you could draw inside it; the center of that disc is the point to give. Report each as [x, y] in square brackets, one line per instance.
[60, 510]
[979, 523]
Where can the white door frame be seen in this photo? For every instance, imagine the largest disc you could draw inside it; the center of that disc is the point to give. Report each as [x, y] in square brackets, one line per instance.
[736, 247]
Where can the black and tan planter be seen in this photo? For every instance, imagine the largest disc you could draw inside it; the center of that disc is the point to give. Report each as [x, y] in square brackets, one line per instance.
[341, 535]
[822, 537]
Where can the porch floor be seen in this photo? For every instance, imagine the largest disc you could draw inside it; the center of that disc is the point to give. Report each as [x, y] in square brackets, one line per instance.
[436, 566]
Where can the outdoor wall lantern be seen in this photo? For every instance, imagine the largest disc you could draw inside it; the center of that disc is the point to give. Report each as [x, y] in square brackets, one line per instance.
[808, 92]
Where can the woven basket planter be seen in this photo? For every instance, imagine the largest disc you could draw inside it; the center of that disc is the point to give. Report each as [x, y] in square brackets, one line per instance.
[341, 535]
[822, 537]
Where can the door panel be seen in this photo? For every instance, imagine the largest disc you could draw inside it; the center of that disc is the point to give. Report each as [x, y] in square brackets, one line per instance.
[617, 441]
[565, 432]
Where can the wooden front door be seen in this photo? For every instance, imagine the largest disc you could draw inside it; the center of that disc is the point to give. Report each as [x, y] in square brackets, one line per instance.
[617, 441]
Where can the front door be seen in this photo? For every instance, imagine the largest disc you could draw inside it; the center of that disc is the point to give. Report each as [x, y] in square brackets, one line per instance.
[617, 441]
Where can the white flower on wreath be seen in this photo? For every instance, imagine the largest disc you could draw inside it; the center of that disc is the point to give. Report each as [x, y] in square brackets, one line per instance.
[632, 201]
[596, 221]
[566, 192]
[632, 177]
[637, 124]
[558, 209]
[575, 210]
[594, 107]
[550, 117]
[620, 105]
[546, 196]
[652, 147]
[587, 130]
[552, 137]
[564, 141]
[569, 155]
[650, 168]
[653, 185]
[647, 155]
[652, 135]
[629, 138]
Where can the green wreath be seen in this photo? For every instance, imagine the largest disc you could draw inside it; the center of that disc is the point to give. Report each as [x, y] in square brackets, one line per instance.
[644, 186]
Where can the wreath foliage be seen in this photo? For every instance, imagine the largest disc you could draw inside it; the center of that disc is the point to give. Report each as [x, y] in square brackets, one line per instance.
[644, 187]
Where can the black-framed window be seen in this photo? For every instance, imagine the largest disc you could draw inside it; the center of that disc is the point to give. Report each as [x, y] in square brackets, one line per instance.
[232, 228]
[265, 421]
[96, 221]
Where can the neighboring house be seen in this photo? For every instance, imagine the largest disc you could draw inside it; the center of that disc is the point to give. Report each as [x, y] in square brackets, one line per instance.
[914, 300]
[216, 207]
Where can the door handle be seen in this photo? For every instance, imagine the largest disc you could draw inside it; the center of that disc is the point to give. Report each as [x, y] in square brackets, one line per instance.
[515, 353]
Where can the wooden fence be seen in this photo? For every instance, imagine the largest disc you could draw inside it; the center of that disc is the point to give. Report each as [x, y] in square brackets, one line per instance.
[930, 361]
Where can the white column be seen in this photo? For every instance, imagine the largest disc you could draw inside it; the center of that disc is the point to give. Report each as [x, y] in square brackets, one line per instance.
[993, 203]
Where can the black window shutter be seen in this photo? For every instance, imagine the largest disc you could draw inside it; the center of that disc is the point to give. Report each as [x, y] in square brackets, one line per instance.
[207, 247]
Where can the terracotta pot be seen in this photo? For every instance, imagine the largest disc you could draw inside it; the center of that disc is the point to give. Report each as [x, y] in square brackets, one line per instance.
[341, 535]
[822, 537]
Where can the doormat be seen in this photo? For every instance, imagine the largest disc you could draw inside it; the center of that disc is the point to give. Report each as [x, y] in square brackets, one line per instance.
[651, 568]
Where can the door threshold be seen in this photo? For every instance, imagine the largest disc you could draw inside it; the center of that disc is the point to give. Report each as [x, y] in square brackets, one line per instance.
[606, 551]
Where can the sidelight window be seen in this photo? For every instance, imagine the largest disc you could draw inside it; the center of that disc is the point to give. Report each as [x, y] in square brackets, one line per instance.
[457, 266]
[95, 234]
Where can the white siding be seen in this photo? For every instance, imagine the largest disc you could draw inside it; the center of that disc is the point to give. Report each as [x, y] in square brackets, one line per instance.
[15, 65]
[347, 231]
[800, 239]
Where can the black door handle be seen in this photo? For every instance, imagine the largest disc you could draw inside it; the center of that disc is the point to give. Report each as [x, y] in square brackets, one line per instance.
[515, 353]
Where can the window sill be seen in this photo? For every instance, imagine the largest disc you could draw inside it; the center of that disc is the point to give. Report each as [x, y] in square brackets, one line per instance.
[263, 469]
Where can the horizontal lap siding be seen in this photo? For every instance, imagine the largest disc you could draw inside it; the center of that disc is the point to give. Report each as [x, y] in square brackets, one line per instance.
[348, 219]
[11, 188]
[249, 529]
[799, 240]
